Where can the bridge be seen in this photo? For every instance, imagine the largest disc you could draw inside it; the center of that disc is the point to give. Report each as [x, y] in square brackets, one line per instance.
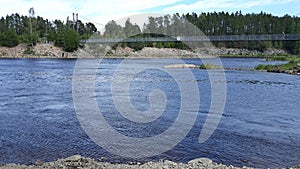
[223, 38]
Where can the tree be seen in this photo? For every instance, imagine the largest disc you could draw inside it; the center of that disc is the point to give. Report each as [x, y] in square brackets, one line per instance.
[90, 28]
[2, 24]
[9, 38]
[151, 26]
[1, 39]
[113, 30]
[71, 40]
[131, 29]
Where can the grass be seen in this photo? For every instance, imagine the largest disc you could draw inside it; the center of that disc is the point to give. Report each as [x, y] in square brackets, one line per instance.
[264, 67]
[259, 55]
[282, 58]
[210, 66]
[292, 65]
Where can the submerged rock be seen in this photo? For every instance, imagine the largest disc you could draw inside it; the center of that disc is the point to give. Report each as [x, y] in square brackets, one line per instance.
[178, 66]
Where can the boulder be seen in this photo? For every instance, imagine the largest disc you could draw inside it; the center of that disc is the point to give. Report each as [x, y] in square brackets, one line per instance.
[202, 161]
[73, 158]
[39, 163]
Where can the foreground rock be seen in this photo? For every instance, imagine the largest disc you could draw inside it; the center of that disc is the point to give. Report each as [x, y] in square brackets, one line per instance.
[78, 162]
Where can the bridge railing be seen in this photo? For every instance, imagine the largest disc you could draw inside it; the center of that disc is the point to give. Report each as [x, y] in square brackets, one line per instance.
[265, 37]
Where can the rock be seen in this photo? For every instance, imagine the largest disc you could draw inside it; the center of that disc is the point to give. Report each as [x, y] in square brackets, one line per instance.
[203, 161]
[298, 65]
[289, 72]
[170, 163]
[80, 162]
[101, 158]
[74, 158]
[244, 161]
[39, 163]
[177, 66]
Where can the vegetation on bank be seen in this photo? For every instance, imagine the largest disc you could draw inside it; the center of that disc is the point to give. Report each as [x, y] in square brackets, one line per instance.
[292, 67]
[284, 58]
[16, 29]
[210, 66]
[259, 55]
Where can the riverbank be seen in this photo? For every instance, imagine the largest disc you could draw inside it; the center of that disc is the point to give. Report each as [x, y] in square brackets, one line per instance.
[51, 51]
[292, 67]
[80, 162]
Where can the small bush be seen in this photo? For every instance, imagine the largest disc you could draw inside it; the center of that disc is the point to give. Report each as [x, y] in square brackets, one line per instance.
[110, 52]
[265, 67]
[210, 66]
[28, 51]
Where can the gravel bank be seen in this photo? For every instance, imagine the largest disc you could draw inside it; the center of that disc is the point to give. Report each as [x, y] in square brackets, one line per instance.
[78, 162]
[50, 51]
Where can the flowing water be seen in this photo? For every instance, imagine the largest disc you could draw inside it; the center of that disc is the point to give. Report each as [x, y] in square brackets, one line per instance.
[260, 125]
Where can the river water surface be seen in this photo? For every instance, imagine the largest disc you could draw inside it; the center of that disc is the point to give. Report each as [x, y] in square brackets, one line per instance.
[260, 126]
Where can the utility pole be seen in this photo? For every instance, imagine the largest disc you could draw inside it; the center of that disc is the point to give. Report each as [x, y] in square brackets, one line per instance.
[46, 31]
[75, 22]
[31, 16]
[77, 25]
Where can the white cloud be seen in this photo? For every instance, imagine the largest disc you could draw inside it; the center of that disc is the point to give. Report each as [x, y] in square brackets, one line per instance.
[121, 6]
[99, 11]
[222, 4]
[102, 11]
[54, 9]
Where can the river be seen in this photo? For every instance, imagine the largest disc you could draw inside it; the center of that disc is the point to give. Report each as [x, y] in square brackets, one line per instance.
[260, 125]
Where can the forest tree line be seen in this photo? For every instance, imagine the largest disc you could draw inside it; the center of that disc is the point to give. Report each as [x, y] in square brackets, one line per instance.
[16, 29]
[212, 24]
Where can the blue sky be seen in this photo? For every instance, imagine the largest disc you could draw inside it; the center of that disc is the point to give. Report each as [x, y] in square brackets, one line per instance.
[102, 11]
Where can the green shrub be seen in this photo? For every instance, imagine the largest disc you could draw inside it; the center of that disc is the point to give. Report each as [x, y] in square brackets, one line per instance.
[29, 51]
[265, 67]
[110, 52]
[210, 66]
[71, 40]
[9, 38]
[292, 65]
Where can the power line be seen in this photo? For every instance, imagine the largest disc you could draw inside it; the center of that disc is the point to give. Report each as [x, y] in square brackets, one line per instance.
[92, 21]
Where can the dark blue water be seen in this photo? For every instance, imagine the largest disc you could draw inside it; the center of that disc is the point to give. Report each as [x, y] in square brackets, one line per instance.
[260, 124]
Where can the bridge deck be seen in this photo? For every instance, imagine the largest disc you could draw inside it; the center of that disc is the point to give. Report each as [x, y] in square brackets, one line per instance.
[224, 38]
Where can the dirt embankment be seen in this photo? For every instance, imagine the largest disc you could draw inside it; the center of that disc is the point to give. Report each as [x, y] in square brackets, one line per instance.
[50, 51]
[37, 51]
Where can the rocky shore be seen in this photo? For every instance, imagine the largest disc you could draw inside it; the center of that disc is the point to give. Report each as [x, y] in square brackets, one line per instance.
[201, 52]
[79, 162]
[50, 51]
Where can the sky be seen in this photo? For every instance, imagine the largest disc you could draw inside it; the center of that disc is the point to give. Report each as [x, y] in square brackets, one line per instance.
[101, 11]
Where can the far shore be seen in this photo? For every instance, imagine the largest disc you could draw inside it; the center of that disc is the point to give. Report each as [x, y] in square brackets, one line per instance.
[135, 57]
[50, 51]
